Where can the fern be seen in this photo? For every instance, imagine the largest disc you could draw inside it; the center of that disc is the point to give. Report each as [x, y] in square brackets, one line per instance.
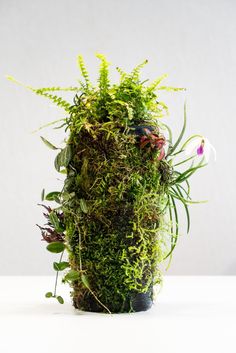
[136, 71]
[103, 79]
[84, 71]
[123, 74]
[59, 101]
[58, 88]
[156, 83]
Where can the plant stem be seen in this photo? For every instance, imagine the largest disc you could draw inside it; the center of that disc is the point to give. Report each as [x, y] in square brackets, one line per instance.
[55, 287]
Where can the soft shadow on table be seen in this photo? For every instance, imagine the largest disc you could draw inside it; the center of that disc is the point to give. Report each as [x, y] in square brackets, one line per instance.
[159, 310]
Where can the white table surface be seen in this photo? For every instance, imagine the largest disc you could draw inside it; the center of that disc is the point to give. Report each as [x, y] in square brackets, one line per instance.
[191, 314]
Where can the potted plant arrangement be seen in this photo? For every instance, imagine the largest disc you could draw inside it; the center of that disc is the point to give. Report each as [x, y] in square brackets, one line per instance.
[116, 215]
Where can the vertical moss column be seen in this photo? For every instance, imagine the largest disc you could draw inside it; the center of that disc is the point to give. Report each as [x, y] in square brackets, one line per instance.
[113, 219]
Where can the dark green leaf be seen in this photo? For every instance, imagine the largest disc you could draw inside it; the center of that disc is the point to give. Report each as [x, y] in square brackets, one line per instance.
[72, 276]
[60, 299]
[65, 156]
[56, 247]
[60, 266]
[49, 144]
[52, 196]
[48, 295]
[57, 162]
[42, 194]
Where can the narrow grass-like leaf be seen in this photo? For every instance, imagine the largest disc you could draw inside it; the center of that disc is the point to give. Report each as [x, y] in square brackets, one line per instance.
[48, 124]
[42, 195]
[175, 195]
[174, 237]
[85, 280]
[187, 173]
[181, 133]
[184, 161]
[185, 207]
[48, 144]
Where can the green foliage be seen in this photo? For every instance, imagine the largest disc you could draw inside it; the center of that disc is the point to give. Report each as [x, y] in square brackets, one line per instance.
[53, 196]
[120, 198]
[84, 72]
[103, 79]
[60, 266]
[63, 158]
[48, 144]
[72, 276]
[56, 247]
[60, 299]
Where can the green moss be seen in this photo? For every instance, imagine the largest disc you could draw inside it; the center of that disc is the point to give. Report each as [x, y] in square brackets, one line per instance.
[117, 242]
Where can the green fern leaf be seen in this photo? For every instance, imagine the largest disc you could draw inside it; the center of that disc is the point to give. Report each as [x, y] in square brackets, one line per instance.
[83, 70]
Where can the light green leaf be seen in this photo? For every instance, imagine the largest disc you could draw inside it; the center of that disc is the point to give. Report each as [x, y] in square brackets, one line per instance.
[49, 144]
[65, 156]
[56, 247]
[60, 266]
[83, 206]
[181, 133]
[85, 281]
[48, 295]
[72, 276]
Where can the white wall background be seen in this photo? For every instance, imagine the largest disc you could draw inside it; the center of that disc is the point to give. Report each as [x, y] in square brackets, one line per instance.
[192, 40]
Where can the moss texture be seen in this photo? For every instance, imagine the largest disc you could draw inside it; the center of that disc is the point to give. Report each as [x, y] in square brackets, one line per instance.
[115, 193]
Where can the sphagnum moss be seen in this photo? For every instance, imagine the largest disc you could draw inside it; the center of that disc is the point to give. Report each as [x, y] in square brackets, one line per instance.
[116, 213]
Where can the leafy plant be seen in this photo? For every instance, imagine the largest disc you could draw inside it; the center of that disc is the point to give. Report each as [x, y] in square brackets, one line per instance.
[117, 214]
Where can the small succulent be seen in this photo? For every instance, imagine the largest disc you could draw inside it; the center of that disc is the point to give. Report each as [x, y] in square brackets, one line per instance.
[52, 232]
[154, 142]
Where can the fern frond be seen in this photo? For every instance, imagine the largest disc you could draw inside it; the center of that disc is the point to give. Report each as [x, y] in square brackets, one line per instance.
[58, 88]
[136, 71]
[122, 73]
[83, 70]
[171, 89]
[103, 79]
[156, 82]
[59, 101]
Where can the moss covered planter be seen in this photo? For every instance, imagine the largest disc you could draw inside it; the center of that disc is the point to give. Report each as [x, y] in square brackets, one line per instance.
[116, 214]
[113, 235]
